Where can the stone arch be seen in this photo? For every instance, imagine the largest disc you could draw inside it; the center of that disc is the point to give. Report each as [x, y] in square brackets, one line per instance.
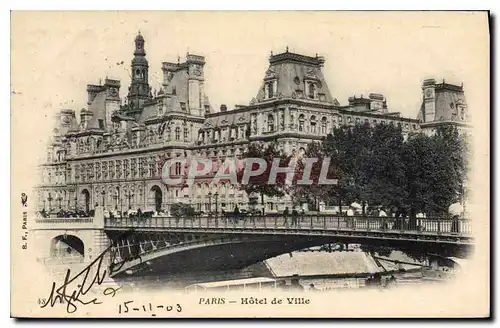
[67, 246]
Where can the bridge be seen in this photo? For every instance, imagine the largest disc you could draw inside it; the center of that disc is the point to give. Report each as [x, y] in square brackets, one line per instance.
[149, 246]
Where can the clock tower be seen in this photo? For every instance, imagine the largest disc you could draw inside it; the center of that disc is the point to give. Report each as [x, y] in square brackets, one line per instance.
[139, 91]
[429, 91]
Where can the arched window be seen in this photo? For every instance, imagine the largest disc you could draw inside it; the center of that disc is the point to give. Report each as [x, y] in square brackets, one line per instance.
[311, 90]
[301, 122]
[186, 134]
[313, 124]
[270, 123]
[177, 133]
[324, 125]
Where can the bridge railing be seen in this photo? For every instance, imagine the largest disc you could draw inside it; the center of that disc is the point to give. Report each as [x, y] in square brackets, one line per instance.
[311, 222]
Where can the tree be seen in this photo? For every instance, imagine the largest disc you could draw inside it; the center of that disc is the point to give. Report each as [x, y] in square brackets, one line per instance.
[383, 169]
[260, 184]
[435, 168]
[316, 190]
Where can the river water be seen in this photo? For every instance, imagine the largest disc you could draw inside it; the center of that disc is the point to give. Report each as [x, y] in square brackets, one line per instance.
[321, 270]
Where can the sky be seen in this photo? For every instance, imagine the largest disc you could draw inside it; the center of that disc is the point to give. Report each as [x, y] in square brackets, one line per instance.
[56, 54]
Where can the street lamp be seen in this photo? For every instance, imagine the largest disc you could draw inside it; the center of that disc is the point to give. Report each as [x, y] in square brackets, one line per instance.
[44, 201]
[103, 193]
[59, 199]
[216, 195]
[76, 199]
[209, 202]
[129, 196]
[50, 201]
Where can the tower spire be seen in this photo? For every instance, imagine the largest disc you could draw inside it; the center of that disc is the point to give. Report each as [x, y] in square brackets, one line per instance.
[139, 91]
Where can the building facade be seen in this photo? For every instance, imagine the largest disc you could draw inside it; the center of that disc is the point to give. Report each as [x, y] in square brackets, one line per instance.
[114, 153]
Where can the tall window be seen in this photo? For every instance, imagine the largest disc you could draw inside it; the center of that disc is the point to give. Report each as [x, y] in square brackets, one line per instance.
[311, 90]
[323, 125]
[177, 133]
[151, 167]
[301, 122]
[186, 134]
[270, 123]
[178, 168]
[313, 124]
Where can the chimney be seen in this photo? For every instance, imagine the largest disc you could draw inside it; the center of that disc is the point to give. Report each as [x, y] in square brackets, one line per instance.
[223, 108]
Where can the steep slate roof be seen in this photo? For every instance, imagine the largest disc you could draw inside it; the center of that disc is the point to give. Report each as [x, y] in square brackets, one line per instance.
[446, 104]
[227, 119]
[290, 69]
[98, 109]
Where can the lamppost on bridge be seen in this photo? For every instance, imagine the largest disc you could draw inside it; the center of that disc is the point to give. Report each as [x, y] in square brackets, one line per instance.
[103, 193]
[44, 201]
[209, 202]
[59, 199]
[68, 202]
[129, 196]
[216, 195]
[76, 200]
[50, 201]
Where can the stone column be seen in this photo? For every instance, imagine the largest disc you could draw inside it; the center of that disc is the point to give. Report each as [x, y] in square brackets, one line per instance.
[287, 118]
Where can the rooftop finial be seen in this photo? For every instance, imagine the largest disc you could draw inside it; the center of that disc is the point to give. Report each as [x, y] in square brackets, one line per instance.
[178, 59]
[271, 52]
[286, 48]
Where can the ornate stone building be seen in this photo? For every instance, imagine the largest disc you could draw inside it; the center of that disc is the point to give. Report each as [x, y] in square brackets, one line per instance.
[113, 154]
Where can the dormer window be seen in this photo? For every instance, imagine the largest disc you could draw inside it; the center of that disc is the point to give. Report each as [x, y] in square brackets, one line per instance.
[270, 89]
[311, 91]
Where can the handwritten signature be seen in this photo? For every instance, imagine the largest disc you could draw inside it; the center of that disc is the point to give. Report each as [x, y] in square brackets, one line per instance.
[74, 297]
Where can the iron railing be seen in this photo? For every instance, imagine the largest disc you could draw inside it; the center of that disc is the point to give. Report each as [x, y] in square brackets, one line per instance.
[427, 226]
[64, 220]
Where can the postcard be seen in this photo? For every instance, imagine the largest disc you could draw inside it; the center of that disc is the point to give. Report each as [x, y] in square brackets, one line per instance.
[170, 164]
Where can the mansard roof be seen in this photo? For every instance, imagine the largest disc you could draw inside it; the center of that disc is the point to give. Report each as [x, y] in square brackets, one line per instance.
[291, 71]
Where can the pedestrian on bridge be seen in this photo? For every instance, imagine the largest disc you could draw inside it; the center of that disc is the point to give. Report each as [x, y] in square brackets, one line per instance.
[295, 216]
[285, 216]
[350, 218]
